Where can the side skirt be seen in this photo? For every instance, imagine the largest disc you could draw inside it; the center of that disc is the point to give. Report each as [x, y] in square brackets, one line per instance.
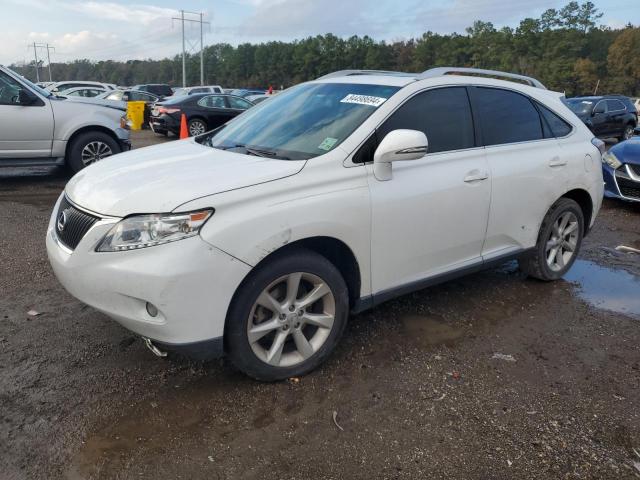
[370, 301]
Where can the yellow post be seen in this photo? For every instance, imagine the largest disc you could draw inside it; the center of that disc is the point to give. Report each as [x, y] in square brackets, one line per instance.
[135, 113]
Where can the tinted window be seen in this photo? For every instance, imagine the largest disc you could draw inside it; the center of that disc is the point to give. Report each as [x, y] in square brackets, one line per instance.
[199, 90]
[614, 105]
[552, 122]
[239, 103]
[506, 116]
[141, 96]
[443, 114]
[212, 101]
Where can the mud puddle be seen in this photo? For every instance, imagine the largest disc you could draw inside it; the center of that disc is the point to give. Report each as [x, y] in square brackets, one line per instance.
[606, 288]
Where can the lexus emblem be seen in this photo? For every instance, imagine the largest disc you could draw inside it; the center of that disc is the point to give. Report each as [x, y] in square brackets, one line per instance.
[62, 221]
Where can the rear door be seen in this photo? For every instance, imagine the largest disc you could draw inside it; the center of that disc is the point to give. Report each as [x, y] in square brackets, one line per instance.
[527, 168]
[26, 131]
[214, 109]
[600, 119]
[617, 113]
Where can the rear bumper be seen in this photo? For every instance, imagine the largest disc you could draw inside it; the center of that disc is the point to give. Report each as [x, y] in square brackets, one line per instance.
[164, 123]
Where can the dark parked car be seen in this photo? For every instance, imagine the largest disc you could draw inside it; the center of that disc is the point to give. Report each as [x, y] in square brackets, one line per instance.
[606, 116]
[621, 170]
[203, 111]
[159, 89]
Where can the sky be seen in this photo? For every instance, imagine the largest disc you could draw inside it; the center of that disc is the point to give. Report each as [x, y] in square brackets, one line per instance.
[120, 30]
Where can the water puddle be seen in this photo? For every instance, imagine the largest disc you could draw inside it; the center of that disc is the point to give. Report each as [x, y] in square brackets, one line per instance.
[606, 288]
[430, 330]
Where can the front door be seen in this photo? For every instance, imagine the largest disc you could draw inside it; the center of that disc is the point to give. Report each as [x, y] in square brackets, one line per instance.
[26, 130]
[431, 217]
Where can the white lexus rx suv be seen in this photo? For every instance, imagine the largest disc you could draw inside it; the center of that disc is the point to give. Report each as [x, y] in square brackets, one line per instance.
[256, 240]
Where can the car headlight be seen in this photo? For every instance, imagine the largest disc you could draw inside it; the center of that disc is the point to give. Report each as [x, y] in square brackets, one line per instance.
[611, 160]
[141, 231]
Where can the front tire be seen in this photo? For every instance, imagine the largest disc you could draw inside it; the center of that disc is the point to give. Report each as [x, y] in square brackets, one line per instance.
[287, 316]
[90, 147]
[558, 244]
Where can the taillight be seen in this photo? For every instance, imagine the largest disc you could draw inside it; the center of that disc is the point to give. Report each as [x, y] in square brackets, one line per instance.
[168, 110]
[599, 144]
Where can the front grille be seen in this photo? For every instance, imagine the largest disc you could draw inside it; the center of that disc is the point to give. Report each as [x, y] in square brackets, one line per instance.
[635, 168]
[629, 188]
[72, 224]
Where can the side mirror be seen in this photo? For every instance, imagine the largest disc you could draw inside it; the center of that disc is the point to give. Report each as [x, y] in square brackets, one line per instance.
[398, 145]
[25, 97]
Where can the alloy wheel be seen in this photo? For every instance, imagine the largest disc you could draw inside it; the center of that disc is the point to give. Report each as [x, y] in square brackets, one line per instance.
[196, 128]
[95, 151]
[291, 319]
[563, 241]
[628, 133]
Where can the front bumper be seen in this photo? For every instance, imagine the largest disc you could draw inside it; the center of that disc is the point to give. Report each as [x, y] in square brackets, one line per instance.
[190, 282]
[623, 177]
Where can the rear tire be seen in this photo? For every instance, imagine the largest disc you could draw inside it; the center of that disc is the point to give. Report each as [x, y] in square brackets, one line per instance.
[627, 134]
[279, 297]
[90, 147]
[558, 244]
[196, 126]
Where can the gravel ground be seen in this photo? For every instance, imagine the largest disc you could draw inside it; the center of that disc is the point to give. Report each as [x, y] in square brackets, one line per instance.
[490, 376]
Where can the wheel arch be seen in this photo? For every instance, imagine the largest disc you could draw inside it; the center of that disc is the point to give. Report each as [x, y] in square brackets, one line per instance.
[584, 200]
[89, 128]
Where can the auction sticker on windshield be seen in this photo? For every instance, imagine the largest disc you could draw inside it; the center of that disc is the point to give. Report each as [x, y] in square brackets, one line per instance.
[363, 100]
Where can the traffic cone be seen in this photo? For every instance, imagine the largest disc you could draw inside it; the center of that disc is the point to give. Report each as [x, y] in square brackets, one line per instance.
[184, 131]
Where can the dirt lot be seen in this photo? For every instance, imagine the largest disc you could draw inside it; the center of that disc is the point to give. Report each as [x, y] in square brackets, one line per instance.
[416, 386]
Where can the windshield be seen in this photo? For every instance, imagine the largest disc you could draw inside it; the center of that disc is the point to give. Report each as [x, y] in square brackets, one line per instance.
[580, 106]
[302, 122]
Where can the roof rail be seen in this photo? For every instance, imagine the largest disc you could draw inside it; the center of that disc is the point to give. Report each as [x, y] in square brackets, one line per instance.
[346, 73]
[439, 71]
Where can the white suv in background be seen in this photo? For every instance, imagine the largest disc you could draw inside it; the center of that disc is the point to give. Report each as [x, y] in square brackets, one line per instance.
[257, 239]
[40, 128]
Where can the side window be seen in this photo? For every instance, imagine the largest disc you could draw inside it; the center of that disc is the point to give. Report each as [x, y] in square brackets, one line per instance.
[557, 126]
[198, 90]
[212, 101]
[443, 114]
[506, 116]
[115, 96]
[615, 105]
[239, 103]
[9, 90]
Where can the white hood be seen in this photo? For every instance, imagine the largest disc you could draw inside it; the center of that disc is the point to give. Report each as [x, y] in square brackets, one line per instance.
[161, 178]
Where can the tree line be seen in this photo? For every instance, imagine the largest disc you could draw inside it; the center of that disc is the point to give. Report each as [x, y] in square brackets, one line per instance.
[565, 48]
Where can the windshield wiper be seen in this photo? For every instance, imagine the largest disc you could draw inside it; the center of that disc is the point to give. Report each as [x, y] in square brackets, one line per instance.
[258, 152]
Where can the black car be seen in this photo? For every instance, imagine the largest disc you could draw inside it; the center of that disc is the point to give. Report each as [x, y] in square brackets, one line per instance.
[159, 89]
[606, 116]
[203, 112]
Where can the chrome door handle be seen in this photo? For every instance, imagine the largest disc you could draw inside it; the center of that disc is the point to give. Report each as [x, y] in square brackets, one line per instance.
[557, 162]
[475, 176]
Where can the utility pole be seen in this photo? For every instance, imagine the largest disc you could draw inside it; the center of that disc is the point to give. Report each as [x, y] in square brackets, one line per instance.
[35, 55]
[49, 60]
[201, 54]
[184, 61]
[184, 50]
